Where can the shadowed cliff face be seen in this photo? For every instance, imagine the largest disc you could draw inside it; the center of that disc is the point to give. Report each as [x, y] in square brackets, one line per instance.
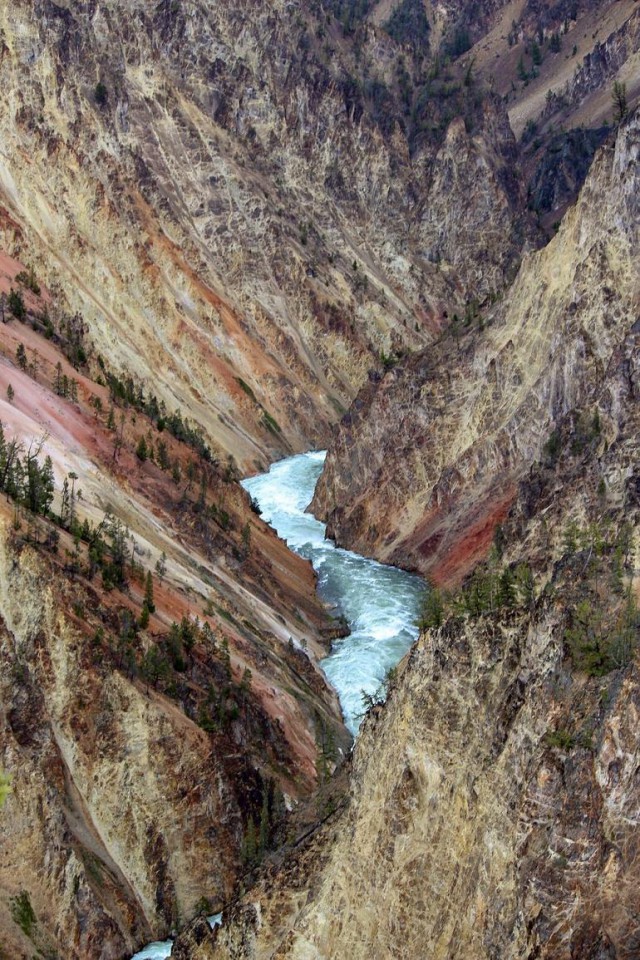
[427, 461]
[229, 206]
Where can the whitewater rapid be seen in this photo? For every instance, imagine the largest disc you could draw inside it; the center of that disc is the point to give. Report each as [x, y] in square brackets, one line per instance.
[381, 603]
[161, 949]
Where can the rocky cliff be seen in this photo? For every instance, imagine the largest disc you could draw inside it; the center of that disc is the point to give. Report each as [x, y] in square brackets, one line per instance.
[234, 196]
[148, 735]
[428, 460]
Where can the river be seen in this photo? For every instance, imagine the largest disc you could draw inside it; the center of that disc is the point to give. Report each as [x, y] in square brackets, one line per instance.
[381, 604]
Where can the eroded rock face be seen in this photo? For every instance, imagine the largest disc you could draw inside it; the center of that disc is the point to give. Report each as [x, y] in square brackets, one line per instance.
[227, 210]
[120, 813]
[427, 461]
[469, 835]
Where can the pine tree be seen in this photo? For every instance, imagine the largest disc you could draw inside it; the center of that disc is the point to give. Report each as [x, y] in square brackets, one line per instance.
[163, 457]
[161, 566]
[10, 393]
[507, 590]
[620, 105]
[57, 383]
[526, 583]
[536, 54]
[21, 356]
[144, 616]
[65, 505]
[148, 593]
[432, 614]
[141, 450]
[47, 486]
[72, 499]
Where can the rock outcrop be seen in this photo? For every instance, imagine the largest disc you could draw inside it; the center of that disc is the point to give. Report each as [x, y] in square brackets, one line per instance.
[427, 461]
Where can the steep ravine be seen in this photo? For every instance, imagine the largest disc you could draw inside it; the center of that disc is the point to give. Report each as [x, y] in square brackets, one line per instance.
[427, 461]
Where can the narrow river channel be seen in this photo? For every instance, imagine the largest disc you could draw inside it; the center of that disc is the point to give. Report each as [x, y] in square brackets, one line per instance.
[381, 603]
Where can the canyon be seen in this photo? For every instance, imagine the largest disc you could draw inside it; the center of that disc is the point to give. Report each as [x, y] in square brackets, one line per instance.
[492, 803]
[405, 231]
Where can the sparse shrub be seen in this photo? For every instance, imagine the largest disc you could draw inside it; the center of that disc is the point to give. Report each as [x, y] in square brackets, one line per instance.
[101, 94]
[15, 304]
[23, 913]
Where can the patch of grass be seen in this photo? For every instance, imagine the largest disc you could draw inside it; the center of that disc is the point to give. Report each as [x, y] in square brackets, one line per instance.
[271, 423]
[247, 389]
[23, 913]
[559, 738]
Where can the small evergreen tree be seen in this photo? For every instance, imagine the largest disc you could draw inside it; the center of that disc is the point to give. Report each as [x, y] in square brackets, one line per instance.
[161, 566]
[15, 304]
[536, 54]
[144, 616]
[141, 450]
[620, 105]
[57, 383]
[21, 356]
[148, 593]
[101, 94]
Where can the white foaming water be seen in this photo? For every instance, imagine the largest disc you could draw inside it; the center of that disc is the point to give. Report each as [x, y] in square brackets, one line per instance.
[381, 603]
[160, 950]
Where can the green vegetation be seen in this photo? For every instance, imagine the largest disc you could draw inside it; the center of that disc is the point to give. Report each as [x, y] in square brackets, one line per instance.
[619, 98]
[247, 389]
[22, 912]
[271, 423]
[258, 839]
[101, 94]
[457, 42]
[141, 450]
[28, 279]
[15, 304]
[408, 24]
[491, 587]
[126, 393]
[22, 477]
[5, 787]
[559, 738]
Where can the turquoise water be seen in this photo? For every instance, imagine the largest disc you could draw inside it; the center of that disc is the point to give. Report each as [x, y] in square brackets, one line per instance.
[161, 949]
[381, 603]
